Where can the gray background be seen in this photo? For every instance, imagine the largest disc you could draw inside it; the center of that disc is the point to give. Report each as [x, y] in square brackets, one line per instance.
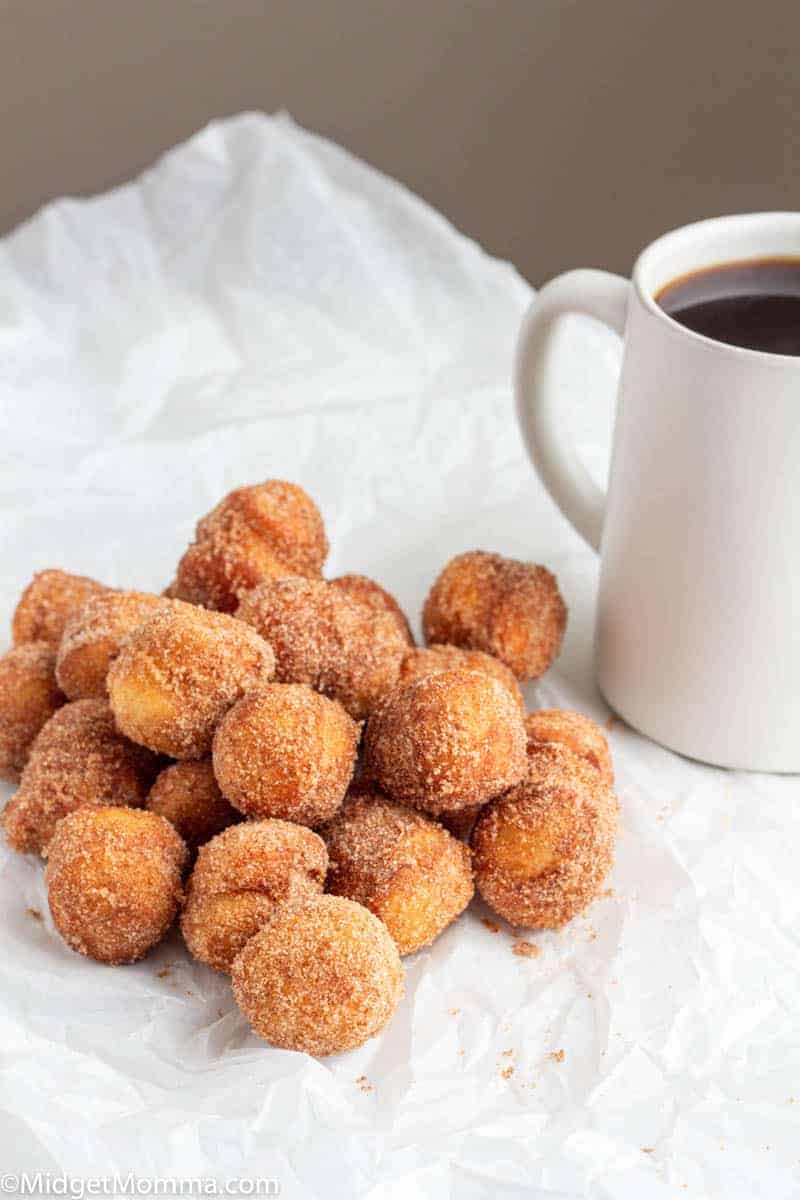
[556, 132]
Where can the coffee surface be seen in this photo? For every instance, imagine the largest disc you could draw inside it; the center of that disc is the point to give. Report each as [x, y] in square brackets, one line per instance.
[754, 303]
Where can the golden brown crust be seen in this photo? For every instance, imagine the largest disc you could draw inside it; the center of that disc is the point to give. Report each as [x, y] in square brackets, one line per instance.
[447, 741]
[179, 672]
[323, 637]
[574, 730]
[113, 880]
[48, 602]
[78, 759]
[255, 533]
[542, 851]
[403, 867]
[240, 878]
[188, 795]
[504, 607]
[285, 751]
[29, 695]
[362, 588]
[322, 977]
[427, 660]
[92, 638]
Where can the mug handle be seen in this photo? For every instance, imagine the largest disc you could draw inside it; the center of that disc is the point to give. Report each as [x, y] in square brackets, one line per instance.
[596, 294]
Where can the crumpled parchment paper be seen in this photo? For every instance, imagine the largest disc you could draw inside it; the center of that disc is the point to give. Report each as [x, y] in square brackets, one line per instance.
[262, 304]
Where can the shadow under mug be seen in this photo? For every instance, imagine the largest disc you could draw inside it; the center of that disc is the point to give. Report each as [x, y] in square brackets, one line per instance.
[697, 637]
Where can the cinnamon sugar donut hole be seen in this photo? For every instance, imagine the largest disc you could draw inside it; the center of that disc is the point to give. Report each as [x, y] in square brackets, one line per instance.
[322, 977]
[427, 660]
[240, 878]
[403, 867]
[360, 587]
[507, 608]
[448, 741]
[78, 759]
[92, 638]
[29, 695]
[542, 851]
[577, 732]
[324, 637]
[113, 880]
[256, 533]
[179, 672]
[48, 602]
[188, 795]
[285, 751]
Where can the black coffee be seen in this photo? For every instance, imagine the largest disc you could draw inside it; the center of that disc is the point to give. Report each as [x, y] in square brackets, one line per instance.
[754, 303]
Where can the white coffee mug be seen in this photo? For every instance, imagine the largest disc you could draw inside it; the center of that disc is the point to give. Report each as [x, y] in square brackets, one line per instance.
[697, 640]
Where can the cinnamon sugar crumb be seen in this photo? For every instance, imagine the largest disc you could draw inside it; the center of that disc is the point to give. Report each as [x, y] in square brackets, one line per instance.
[557, 1056]
[509, 1053]
[492, 926]
[507, 1072]
[525, 950]
[648, 1149]
[34, 914]
[612, 722]
[164, 973]
[453, 1012]
[364, 1085]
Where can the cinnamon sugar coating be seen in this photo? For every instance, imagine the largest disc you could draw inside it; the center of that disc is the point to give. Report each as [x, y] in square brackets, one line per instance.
[78, 759]
[403, 867]
[322, 977]
[447, 741]
[504, 607]
[48, 602]
[179, 672]
[29, 695]
[324, 637]
[188, 795]
[542, 851]
[255, 533]
[92, 638]
[574, 730]
[113, 880]
[362, 588]
[241, 877]
[286, 751]
[426, 660]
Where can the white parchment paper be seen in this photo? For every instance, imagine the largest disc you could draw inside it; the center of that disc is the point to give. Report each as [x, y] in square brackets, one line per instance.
[261, 304]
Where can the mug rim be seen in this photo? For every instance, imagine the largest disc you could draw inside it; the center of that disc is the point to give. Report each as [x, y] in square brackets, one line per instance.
[749, 222]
